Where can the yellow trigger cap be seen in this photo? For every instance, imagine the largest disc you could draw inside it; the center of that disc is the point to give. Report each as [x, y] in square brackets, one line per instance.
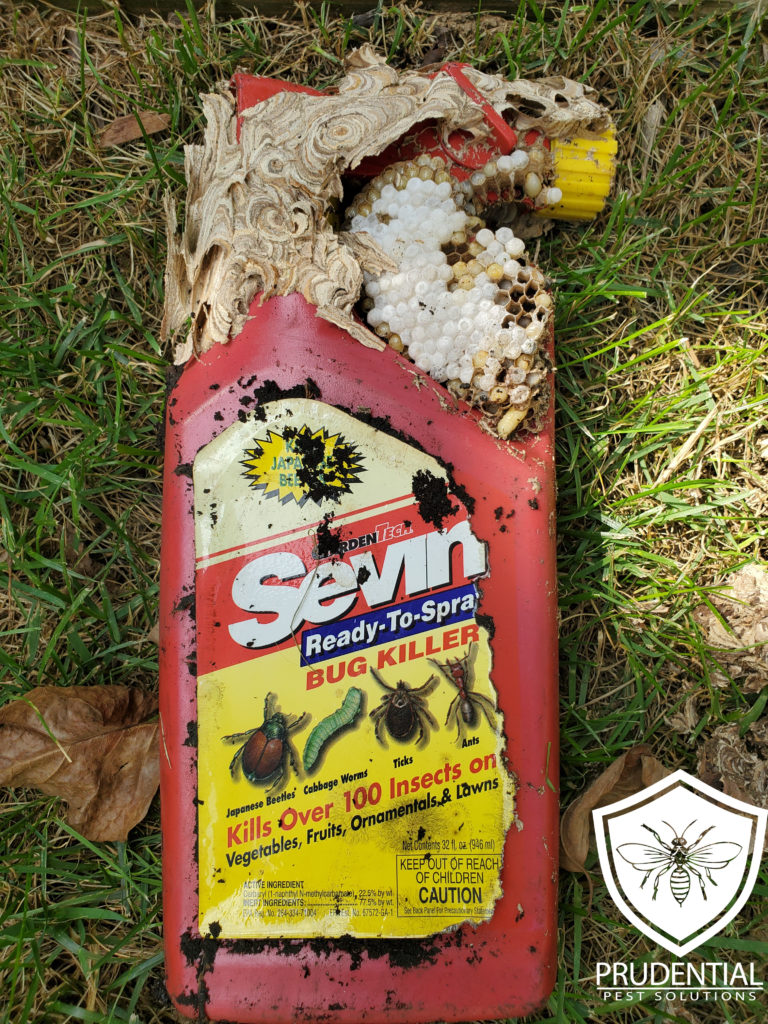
[583, 171]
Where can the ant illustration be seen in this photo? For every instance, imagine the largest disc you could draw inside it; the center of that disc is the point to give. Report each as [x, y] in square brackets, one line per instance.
[463, 707]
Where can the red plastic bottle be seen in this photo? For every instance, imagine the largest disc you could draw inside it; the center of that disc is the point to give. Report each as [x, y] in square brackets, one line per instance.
[358, 689]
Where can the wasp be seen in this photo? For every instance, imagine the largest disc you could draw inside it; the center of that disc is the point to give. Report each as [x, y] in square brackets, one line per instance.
[680, 860]
[264, 750]
[463, 707]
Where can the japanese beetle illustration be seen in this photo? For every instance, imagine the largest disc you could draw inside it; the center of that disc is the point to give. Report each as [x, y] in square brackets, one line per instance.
[403, 710]
[463, 707]
[263, 750]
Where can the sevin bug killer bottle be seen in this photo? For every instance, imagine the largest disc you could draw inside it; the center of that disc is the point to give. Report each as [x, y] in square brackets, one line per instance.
[358, 599]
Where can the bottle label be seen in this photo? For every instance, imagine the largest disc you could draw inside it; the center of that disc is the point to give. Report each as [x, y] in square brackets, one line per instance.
[351, 769]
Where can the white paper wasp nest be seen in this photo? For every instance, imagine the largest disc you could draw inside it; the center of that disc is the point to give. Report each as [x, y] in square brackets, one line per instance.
[457, 298]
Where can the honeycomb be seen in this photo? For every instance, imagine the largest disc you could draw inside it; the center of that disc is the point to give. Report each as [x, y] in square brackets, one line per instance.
[465, 304]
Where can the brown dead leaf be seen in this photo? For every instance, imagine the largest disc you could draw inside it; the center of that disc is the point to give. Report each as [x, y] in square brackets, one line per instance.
[128, 128]
[653, 118]
[737, 764]
[679, 1013]
[76, 555]
[90, 745]
[741, 646]
[687, 718]
[633, 771]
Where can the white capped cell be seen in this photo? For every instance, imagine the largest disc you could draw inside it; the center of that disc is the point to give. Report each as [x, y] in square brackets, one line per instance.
[515, 247]
[519, 394]
[444, 329]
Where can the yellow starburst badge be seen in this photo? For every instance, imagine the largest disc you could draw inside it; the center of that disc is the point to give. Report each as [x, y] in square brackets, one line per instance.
[301, 463]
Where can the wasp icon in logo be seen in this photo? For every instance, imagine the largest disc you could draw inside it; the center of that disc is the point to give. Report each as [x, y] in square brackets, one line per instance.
[679, 860]
[680, 883]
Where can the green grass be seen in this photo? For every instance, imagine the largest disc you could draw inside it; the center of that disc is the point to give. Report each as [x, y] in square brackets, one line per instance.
[661, 395]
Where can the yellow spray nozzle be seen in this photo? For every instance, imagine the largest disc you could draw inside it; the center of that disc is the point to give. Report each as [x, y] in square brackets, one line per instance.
[583, 171]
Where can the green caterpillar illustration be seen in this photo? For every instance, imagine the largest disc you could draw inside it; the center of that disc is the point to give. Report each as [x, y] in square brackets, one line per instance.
[325, 730]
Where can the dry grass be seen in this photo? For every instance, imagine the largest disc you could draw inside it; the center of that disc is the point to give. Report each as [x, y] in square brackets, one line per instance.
[662, 341]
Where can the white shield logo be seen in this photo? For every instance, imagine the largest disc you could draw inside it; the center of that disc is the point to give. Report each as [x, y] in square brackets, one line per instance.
[680, 859]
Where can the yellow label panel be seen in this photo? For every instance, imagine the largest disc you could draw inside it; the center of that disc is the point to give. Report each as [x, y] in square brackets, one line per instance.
[351, 775]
